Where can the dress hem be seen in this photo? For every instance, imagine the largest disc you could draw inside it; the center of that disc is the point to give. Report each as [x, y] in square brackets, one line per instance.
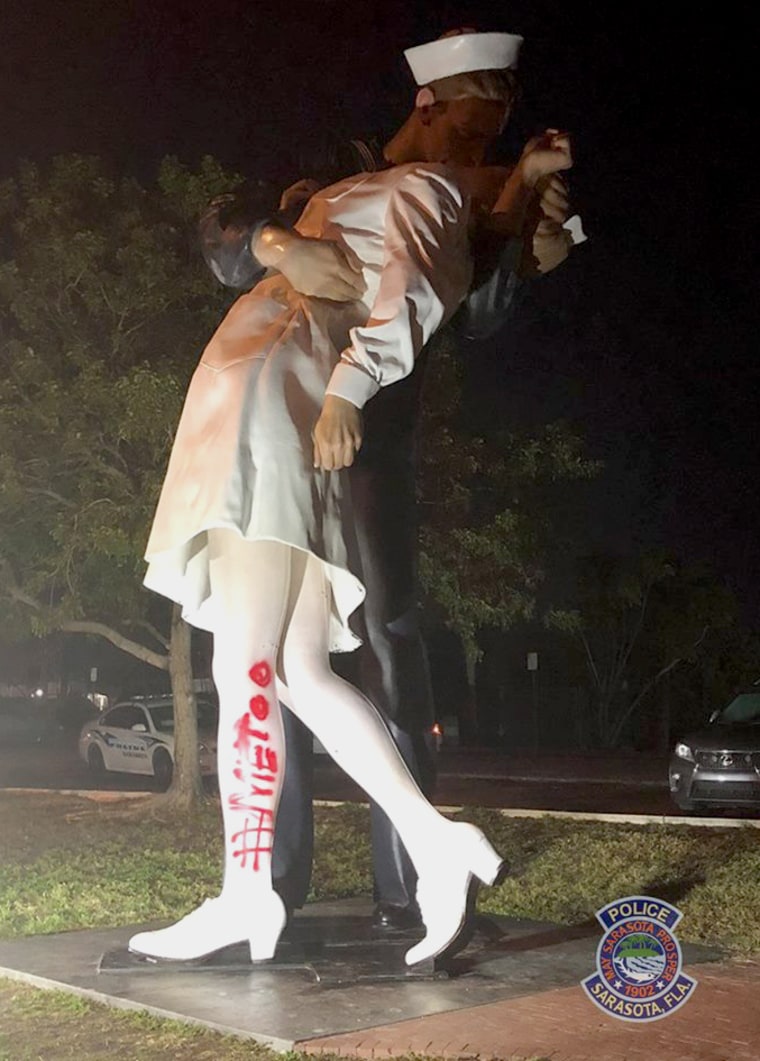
[180, 573]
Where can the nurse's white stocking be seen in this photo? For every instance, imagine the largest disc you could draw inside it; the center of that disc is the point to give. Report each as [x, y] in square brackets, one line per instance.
[445, 854]
[250, 588]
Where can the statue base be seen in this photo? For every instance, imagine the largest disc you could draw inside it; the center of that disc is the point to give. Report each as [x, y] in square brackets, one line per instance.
[332, 949]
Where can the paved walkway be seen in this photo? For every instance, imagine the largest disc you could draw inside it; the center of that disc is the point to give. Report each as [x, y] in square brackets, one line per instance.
[720, 1023]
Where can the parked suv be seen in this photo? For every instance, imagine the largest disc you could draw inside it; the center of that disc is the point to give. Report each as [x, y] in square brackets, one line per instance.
[719, 766]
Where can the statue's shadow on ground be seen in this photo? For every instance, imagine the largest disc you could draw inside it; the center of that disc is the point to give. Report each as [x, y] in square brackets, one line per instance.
[346, 949]
[490, 941]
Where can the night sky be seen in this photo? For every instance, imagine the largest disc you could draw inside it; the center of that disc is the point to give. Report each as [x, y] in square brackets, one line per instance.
[645, 340]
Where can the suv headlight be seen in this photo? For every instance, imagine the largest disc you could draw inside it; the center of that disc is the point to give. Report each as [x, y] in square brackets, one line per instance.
[683, 751]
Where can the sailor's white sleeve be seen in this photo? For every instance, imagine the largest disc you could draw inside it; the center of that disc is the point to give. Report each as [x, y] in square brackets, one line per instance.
[425, 275]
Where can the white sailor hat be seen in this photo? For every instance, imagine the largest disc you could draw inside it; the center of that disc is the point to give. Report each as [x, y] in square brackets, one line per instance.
[463, 52]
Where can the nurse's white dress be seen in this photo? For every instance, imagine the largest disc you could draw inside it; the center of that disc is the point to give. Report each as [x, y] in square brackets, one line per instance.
[242, 456]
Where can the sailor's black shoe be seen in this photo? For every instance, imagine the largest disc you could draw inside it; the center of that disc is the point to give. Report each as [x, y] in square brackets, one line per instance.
[390, 918]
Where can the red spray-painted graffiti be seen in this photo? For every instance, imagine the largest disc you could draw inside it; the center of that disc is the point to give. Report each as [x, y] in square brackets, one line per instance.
[259, 707]
[261, 674]
[256, 768]
[255, 839]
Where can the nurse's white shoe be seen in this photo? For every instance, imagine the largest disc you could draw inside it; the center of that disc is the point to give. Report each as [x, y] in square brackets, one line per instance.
[465, 857]
[217, 923]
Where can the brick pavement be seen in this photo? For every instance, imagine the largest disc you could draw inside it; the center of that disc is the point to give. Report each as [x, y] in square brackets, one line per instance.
[720, 1023]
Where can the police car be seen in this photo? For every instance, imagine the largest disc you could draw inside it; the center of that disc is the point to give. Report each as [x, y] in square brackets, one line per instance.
[137, 737]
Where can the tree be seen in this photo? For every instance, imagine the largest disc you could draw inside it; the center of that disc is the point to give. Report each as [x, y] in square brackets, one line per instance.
[637, 620]
[485, 513]
[103, 308]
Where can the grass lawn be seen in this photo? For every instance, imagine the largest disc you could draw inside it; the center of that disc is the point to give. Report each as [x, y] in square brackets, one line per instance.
[70, 863]
[53, 1024]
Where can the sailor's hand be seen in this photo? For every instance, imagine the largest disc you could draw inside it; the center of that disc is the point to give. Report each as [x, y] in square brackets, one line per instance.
[315, 267]
[337, 434]
[544, 155]
[298, 193]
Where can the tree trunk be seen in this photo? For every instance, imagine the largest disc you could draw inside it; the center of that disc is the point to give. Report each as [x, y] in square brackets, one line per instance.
[186, 789]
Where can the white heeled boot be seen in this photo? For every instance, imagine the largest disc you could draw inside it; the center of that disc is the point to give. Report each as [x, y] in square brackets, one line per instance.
[218, 923]
[444, 884]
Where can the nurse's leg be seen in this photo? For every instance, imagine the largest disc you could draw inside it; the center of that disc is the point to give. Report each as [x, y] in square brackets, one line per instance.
[445, 854]
[249, 584]
[395, 881]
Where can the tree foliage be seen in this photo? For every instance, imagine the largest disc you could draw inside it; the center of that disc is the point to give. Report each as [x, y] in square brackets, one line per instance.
[638, 619]
[104, 305]
[486, 508]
